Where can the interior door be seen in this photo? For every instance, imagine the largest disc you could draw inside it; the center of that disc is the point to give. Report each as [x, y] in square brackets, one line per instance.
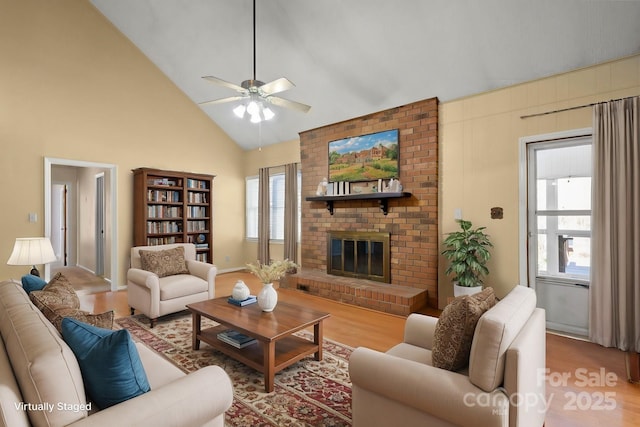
[59, 224]
[559, 230]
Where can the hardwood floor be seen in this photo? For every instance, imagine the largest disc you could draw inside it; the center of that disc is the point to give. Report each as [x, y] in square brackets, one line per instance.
[83, 281]
[586, 383]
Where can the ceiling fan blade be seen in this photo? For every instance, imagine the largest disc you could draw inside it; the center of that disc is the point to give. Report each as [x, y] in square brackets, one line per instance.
[222, 100]
[276, 86]
[281, 102]
[224, 83]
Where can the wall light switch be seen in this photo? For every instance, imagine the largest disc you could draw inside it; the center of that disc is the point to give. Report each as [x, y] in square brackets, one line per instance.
[33, 217]
[457, 213]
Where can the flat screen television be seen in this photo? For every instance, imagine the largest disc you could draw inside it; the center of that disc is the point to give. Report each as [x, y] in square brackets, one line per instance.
[365, 157]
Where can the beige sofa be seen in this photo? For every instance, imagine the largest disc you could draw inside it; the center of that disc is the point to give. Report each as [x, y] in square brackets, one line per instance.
[156, 296]
[503, 386]
[41, 383]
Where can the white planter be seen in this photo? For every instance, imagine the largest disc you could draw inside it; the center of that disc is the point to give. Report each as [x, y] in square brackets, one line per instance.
[267, 298]
[465, 290]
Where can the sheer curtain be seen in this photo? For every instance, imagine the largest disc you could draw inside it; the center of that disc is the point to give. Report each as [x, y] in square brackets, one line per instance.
[263, 216]
[615, 273]
[291, 212]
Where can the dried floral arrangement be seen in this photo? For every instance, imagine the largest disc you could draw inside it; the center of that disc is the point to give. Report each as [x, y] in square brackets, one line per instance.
[268, 273]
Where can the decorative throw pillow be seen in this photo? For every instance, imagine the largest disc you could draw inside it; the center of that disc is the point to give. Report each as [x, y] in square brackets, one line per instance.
[167, 262]
[109, 361]
[57, 294]
[101, 320]
[454, 330]
[32, 283]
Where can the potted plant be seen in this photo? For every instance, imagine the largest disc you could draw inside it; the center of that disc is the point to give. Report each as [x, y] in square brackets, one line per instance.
[468, 253]
[268, 273]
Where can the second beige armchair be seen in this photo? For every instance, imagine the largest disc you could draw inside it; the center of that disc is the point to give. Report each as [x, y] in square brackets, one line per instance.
[503, 386]
[160, 291]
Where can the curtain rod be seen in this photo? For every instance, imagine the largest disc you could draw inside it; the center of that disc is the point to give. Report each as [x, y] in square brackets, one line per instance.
[574, 108]
[280, 166]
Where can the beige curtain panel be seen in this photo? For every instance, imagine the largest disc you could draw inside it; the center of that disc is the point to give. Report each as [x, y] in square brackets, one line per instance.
[263, 216]
[615, 270]
[291, 212]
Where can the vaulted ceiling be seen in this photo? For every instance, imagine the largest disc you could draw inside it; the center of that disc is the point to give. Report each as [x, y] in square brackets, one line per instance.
[349, 58]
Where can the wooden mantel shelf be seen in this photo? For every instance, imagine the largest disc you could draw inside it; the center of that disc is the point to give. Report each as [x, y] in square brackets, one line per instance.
[382, 198]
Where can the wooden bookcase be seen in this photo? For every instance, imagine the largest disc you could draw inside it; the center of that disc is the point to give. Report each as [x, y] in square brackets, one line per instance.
[173, 207]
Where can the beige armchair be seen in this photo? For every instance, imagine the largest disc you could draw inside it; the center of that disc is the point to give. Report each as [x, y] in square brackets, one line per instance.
[156, 296]
[504, 384]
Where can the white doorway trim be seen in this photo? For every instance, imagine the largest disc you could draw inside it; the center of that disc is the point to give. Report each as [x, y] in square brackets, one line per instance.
[113, 169]
[100, 224]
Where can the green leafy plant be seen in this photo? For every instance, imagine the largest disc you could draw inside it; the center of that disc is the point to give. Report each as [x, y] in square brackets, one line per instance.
[268, 273]
[468, 253]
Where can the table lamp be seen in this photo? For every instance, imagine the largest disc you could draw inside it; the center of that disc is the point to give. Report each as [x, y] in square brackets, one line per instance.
[32, 251]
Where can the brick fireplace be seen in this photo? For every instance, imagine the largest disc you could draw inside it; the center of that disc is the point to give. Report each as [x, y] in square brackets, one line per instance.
[411, 222]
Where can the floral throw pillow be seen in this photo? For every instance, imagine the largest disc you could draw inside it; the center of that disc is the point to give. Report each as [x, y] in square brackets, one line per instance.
[455, 328]
[167, 262]
[58, 293]
[101, 320]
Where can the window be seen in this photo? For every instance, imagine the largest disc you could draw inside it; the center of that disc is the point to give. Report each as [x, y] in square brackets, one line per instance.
[251, 207]
[276, 206]
[562, 215]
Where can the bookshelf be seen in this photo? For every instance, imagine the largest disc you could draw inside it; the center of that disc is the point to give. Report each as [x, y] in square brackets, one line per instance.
[173, 207]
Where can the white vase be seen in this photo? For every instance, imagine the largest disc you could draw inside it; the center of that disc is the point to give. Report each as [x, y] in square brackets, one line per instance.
[240, 291]
[465, 290]
[267, 298]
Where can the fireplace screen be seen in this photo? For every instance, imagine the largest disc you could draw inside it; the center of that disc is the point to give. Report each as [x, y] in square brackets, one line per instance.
[359, 254]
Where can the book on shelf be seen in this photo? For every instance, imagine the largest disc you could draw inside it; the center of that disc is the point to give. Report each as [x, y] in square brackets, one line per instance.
[235, 338]
[248, 300]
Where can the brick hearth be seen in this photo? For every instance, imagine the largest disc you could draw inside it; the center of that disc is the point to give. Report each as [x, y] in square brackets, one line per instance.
[412, 222]
[394, 299]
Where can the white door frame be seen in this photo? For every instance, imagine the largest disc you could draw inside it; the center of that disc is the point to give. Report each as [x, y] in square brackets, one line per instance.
[100, 223]
[113, 170]
[553, 295]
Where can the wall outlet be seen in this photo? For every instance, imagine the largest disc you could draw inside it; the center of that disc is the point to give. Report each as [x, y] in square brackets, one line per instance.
[457, 213]
[227, 258]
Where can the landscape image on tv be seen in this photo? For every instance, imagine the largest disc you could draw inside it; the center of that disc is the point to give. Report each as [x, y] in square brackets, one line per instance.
[365, 157]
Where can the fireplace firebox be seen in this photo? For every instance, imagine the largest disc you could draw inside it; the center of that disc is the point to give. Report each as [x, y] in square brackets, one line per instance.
[365, 255]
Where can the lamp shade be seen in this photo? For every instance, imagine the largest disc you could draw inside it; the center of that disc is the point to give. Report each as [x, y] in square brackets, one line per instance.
[32, 251]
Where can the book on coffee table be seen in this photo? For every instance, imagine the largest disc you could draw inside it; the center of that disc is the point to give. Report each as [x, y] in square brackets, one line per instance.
[249, 300]
[235, 338]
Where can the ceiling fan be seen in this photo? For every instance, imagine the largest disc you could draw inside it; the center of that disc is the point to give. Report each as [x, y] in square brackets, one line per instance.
[257, 93]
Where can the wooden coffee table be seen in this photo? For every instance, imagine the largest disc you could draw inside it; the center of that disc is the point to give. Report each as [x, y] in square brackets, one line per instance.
[276, 346]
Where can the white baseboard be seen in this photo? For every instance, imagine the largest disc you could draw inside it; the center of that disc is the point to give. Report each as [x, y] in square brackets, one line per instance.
[231, 270]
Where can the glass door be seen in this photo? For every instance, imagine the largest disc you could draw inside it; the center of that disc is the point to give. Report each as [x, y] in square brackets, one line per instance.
[559, 230]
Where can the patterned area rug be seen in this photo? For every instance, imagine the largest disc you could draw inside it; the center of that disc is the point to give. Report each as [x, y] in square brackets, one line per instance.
[307, 393]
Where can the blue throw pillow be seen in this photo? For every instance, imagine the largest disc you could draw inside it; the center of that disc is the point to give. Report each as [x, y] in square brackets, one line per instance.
[109, 361]
[32, 283]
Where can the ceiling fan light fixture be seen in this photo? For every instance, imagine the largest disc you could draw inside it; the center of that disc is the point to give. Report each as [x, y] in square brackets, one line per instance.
[267, 113]
[253, 108]
[255, 118]
[240, 110]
